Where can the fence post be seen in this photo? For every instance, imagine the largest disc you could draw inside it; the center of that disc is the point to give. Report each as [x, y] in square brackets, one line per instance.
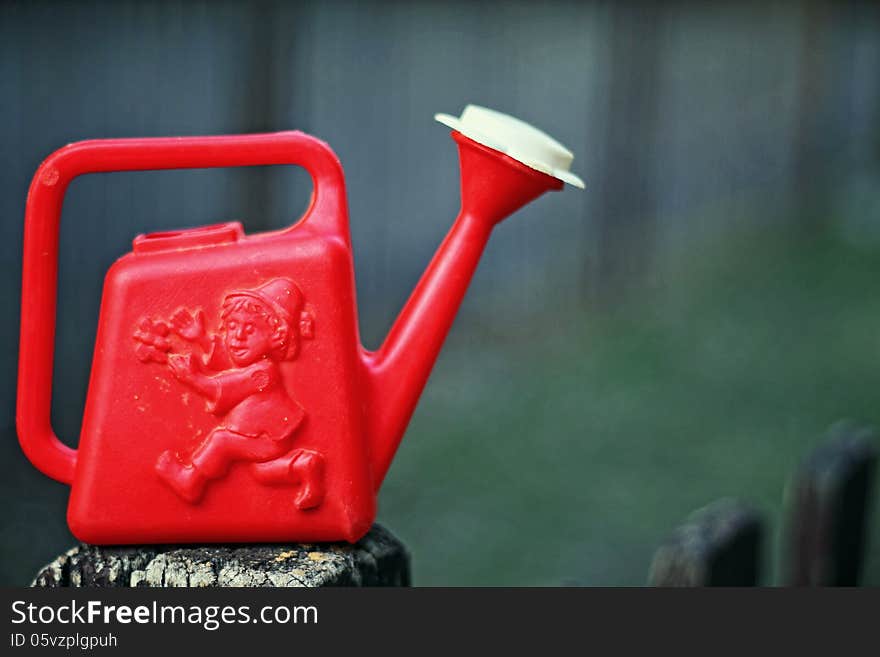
[719, 545]
[828, 501]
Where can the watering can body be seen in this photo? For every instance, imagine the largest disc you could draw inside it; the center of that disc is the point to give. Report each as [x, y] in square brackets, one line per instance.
[230, 399]
[137, 410]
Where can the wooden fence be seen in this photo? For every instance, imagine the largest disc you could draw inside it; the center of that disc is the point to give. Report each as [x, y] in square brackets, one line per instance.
[823, 541]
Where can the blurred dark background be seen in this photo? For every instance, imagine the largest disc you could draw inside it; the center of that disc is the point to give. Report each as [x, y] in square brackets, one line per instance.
[684, 329]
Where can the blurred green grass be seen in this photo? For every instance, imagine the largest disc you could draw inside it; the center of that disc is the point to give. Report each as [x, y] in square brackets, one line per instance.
[607, 430]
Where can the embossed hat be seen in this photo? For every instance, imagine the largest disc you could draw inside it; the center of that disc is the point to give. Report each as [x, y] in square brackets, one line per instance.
[281, 295]
[516, 139]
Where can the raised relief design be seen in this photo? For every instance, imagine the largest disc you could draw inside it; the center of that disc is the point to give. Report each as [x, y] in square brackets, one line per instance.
[236, 370]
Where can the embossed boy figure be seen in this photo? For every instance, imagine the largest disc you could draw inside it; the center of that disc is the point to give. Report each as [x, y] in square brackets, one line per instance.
[240, 378]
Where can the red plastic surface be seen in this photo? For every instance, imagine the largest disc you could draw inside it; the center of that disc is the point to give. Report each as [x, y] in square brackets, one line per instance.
[230, 399]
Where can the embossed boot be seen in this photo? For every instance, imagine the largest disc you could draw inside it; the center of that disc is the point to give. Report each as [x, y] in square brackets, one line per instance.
[308, 470]
[301, 466]
[183, 479]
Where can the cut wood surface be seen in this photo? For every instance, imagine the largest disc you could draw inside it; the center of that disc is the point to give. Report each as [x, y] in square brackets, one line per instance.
[378, 559]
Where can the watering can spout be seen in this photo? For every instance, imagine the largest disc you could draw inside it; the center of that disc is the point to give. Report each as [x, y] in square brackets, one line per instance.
[493, 186]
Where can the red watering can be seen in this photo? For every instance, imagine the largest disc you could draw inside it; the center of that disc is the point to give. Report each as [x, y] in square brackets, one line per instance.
[230, 398]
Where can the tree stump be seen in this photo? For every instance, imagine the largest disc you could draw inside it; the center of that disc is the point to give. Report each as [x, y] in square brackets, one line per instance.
[378, 559]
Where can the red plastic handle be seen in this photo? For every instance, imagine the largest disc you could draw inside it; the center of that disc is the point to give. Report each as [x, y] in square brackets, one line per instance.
[327, 212]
